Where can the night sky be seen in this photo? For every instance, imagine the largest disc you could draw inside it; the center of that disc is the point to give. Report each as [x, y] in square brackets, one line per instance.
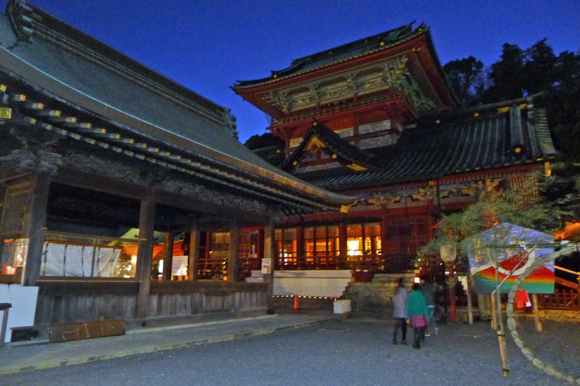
[207, 45]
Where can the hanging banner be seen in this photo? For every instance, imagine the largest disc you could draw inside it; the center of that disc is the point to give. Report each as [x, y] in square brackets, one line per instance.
[520, 257]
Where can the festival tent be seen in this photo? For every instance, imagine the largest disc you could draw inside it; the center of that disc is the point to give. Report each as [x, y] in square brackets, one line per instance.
[518, 248]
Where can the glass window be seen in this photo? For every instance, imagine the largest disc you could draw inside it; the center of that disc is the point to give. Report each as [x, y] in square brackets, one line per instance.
[363, 239]
[321, 241]
[354, 240]
[286, 246]
[73, 255]
[249, 240]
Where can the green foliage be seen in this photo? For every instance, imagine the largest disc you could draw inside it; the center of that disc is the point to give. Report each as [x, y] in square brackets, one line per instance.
[506, 75]
[466, 78]
[463, 230]
[257, 141]
[523, 72]
[561, 195]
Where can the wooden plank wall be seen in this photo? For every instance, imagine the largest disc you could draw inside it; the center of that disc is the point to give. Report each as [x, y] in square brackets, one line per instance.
[65, 302]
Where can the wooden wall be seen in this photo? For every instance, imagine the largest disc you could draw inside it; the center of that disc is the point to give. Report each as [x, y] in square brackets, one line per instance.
[64, 302]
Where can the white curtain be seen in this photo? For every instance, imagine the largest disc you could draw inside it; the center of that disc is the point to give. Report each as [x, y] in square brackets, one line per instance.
[77, 260]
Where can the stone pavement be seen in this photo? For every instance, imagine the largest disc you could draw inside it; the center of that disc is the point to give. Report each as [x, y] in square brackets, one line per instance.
[24, 356]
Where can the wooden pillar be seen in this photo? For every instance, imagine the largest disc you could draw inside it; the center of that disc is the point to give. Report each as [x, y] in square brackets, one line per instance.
[233, 259]
[167, 255]
[342, 245]
[539, 326]
[193, 263]
[494, 321]
[145, 254]
[260, 244]
[270, 253]
[452, 293]
[34, 219]
[300, 258]
[469, 302]
[384, 239]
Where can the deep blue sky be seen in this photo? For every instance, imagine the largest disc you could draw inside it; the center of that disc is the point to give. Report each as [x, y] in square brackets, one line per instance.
[208, 44]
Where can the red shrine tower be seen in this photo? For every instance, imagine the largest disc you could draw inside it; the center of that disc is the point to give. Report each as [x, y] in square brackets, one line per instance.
[375, 119]
[366, 91]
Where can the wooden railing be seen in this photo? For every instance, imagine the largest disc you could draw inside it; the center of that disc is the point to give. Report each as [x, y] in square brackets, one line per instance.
[560, 300]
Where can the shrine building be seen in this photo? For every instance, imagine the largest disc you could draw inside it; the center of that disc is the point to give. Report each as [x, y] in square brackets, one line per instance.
[375, 119]
[123, 194]
[126, 196]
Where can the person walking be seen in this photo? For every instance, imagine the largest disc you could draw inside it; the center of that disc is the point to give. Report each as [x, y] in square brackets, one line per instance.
[400, 312]
[418, 313]
[429, 294]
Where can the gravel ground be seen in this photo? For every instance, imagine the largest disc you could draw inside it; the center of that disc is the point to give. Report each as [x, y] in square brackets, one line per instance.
[351, 352]
[557, 345]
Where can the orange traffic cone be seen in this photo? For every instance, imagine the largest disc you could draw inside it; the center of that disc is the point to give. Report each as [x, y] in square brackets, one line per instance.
[296, 306]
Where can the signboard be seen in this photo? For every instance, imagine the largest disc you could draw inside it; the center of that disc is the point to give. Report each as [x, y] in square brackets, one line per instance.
[517, 255]
[266, 266]
[179, 266]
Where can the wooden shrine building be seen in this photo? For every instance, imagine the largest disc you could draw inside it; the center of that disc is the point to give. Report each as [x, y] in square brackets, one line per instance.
[123, 194]
[375, 119]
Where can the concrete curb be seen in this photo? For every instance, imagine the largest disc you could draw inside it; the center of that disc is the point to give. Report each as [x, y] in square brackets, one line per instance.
[201, 324]
[148, 349]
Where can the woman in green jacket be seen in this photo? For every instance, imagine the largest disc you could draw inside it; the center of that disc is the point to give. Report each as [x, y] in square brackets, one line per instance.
[418, 314]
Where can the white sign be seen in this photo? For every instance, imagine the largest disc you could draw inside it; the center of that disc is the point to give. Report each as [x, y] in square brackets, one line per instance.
[179, 266]
[23, 300]
[266, 265]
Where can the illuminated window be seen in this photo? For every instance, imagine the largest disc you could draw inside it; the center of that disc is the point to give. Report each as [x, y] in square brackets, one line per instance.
[249, 244]
[321, 244]
[286, 246]
[363, 240]
[214, 254]
[249, 252]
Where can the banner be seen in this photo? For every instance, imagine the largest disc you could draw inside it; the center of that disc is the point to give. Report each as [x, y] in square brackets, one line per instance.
[516, 251]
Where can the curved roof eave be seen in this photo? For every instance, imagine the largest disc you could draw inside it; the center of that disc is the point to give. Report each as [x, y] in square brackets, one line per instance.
[286, 72]
[26, 70]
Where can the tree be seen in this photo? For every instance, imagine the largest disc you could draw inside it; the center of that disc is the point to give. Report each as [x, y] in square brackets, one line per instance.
[539, 71]
[527, 72]
[257, 141]
[465, 77]
[562, 100]
[463, 229]
[506, 75]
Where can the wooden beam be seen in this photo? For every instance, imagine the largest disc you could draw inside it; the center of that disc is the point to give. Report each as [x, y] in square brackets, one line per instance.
[34, 220]
[270, 253]
[193, 264]
[167, 255]
[342, 238]
[233, 260]
[131, 190]
[300, 258]
[145, 254]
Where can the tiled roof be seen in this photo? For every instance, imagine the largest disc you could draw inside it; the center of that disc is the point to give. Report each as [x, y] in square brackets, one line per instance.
[467, 140]
[345, 151]
[357, 48]
[115, 85]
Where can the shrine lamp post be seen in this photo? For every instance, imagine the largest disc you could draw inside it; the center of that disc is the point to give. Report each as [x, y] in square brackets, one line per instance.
[448, 255]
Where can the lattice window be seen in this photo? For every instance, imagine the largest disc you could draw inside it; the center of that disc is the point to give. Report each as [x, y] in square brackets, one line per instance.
[363, 240]
[406, 236]
[523, 190]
